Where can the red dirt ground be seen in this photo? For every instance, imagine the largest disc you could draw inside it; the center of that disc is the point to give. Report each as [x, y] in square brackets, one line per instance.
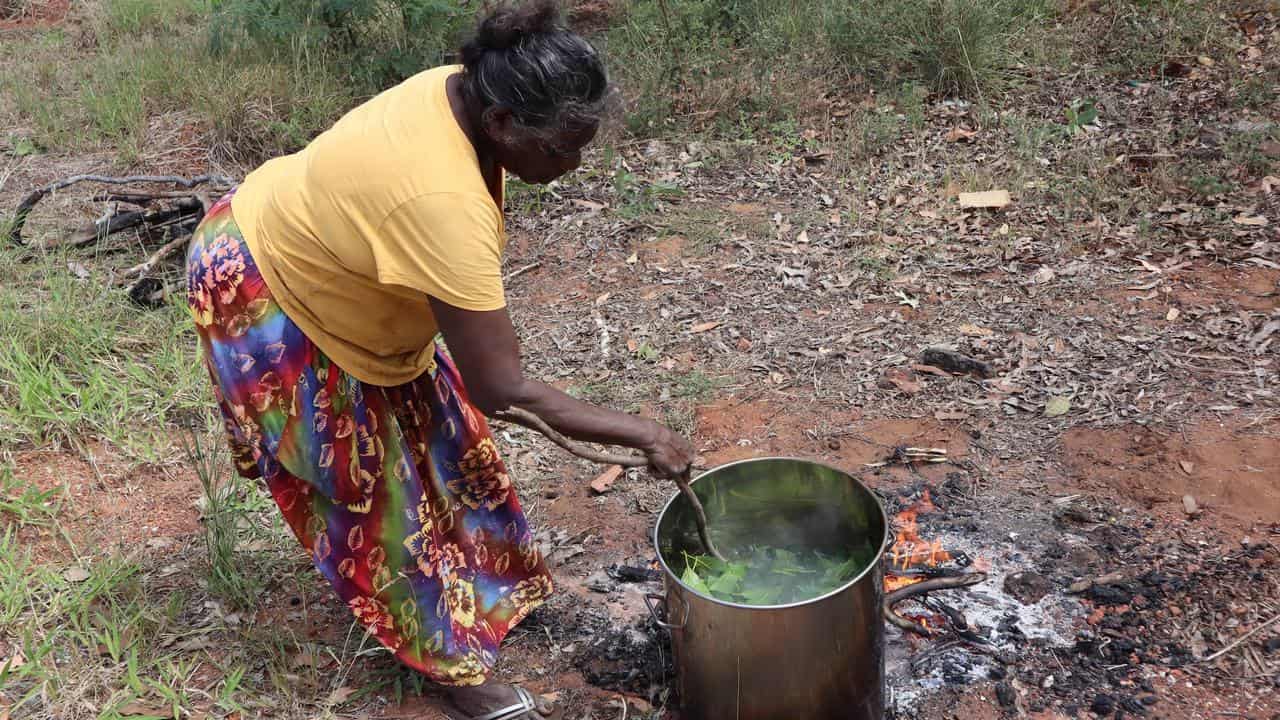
[1226, 468]
[104, 499]
[43, 13]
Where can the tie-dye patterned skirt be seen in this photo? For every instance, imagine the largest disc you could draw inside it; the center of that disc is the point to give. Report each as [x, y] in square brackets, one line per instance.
[398, 493]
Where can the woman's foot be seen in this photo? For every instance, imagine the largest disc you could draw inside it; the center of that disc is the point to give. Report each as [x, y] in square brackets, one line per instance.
[480, 700]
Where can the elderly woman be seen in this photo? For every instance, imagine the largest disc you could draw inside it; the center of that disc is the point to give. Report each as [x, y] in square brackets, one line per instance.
[319, 289]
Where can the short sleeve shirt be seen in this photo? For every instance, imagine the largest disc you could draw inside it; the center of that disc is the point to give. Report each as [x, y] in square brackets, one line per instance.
[387, 208]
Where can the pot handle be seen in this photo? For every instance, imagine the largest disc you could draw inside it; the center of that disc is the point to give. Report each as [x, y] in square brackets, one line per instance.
[653, 601]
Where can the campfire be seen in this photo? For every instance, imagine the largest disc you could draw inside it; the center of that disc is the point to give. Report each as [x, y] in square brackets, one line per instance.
[916, 567]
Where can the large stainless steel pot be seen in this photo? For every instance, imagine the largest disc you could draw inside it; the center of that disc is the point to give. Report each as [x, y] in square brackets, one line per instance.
[821, 659]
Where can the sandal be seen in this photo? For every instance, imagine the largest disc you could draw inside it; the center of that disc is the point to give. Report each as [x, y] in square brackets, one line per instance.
[525, 709]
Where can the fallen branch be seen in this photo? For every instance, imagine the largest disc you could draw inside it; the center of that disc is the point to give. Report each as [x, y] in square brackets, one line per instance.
[920, 588]
[517, 273]
[101, 228]
[520, 416]
[29, 202]
[908, 455]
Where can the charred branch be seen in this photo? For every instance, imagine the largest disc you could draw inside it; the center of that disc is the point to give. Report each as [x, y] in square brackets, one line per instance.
[921, 588]
[29, 202]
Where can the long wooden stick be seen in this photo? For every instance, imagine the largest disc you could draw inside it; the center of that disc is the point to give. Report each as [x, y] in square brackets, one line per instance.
[520, 416]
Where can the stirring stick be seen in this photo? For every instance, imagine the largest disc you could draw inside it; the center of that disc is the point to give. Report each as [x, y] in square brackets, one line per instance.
[527, 419]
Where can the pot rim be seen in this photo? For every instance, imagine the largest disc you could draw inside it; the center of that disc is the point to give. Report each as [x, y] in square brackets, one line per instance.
[669, 573]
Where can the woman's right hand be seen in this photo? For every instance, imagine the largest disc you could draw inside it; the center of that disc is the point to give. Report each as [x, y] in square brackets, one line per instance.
[669, 454]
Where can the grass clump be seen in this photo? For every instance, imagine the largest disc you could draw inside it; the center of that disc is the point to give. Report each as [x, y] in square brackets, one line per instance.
[374, 43]
[960, 47]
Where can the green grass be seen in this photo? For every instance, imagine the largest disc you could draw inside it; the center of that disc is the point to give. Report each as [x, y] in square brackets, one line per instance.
[110, 642]
[109, 633]
[130, 18]
[25, 504]
[151, 58]
[1244, 150]
[78, 361]
[953, 46]
[229, 508]
[1142, 37]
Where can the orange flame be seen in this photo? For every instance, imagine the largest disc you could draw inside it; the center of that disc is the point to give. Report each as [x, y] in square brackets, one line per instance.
[909, 549]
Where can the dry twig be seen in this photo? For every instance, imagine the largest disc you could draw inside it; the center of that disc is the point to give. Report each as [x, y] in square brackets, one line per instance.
[1236, 643]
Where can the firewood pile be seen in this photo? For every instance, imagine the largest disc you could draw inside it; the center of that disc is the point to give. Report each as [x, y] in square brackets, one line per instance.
[163, 210]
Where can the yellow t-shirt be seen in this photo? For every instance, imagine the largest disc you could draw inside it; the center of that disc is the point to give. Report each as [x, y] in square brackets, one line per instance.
[383, 209]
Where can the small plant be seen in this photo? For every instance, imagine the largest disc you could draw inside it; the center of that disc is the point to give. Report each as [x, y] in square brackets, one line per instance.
[695, 385]
[636, 197]
[647, 353]
[1207, 185]
[30, 505]
[1245, 150]
[1256, 93]
[528, 198]
[222, 519]
[1079, 114]
[24, 146]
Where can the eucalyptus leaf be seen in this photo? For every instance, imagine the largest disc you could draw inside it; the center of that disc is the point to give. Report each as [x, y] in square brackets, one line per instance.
[1057, 406]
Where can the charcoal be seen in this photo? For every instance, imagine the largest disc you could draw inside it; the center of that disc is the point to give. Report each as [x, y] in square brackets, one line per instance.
[1005, 694]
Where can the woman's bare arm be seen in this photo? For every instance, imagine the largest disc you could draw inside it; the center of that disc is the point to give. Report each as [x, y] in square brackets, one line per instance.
[487, 353]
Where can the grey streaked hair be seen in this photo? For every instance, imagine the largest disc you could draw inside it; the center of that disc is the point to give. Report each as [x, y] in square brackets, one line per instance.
[523, 58]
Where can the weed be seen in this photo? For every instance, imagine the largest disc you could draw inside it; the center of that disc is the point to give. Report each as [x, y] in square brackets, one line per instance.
[1031, 137]
[870, 134]
[694, 385]
[525, 198]
[686, 62]
[702, 226]
[1207, 186]
[1142, 37]
[647, 353]
[1246, 150]
[1079, 114]
[372, 42]
[26, 503]
[131, 18]
[1256, 93]
[24, 146]
[638, 197]
[224, 517]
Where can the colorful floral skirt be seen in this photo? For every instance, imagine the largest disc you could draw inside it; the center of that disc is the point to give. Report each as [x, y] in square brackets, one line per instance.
[398, 493]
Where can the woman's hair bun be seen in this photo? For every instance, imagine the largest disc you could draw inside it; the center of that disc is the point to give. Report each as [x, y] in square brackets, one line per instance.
[510, 22]
[523, 58]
